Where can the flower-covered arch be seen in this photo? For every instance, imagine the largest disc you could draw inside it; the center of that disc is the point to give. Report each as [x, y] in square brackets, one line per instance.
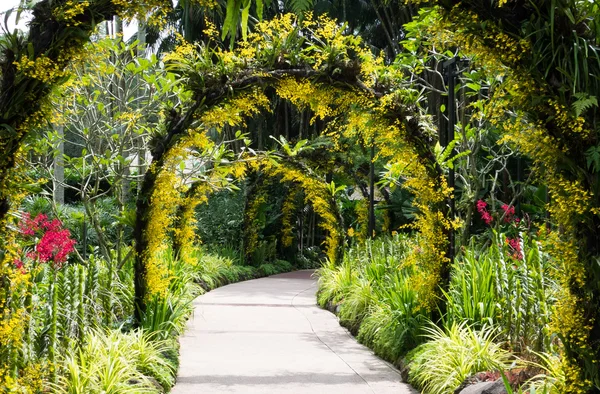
[313, 65]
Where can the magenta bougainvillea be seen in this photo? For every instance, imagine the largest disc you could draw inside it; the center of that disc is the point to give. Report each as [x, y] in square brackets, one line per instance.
[51, 242]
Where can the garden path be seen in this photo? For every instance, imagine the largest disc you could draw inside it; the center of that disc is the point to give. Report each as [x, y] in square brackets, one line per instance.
[269, 336]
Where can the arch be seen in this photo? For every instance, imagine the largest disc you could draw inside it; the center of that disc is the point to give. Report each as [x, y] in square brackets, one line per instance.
[316, 193]
[311, 64]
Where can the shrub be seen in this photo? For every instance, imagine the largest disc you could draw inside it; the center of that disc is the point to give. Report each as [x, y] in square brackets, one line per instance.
[396, 322]
[517, 295]
[375, 296]
[442, 364]
[115, 362]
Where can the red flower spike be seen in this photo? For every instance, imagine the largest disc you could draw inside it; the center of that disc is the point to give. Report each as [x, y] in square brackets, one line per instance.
[485, 215]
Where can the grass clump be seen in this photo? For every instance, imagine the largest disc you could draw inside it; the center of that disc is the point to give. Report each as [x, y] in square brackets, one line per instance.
[120, 363]
[373, 296]
[440, 365]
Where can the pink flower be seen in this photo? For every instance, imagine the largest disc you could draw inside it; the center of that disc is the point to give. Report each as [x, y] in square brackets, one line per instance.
[55, 244]
[515, 247]
[19, 265]
[509, 211]
[482, 209]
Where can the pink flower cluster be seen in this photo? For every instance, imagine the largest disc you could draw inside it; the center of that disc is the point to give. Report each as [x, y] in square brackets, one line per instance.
[514, 244]
[509, 212]
[482, 209]
[54, 244]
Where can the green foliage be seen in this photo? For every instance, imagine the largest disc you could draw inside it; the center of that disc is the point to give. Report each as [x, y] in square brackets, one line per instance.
[471, 295]
[398, 318]
[440, 365]
[300, 6]
[214, 269]
[220, 219]
[583, 103]
[375, 296]
[492, 288]
[277, 267]
[118, 363]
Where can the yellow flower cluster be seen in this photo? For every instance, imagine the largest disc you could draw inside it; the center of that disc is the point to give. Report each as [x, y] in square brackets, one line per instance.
[211, 30]
[232, 112]
[184, 234]
[568, 320]
[323, 100]
[163, 205]
[362, 217]
[251, 218]
[30, 379]
[287, 214]
[42, 68]
[184, 50]
[154, 11]
[11, 332]
[70, 10]
[487, 43]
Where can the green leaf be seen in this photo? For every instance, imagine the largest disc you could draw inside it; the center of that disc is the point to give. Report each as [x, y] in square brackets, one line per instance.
[259, 9]
[583, 103]
[298, 7]
[592, 156]
[474, 86]
[231, 19]
[244, 21]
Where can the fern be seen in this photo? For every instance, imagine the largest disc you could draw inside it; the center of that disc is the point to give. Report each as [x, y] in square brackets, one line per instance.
[299, 7]
[583, 103]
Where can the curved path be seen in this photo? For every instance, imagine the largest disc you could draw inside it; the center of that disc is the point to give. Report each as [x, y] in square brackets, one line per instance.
[269, 336]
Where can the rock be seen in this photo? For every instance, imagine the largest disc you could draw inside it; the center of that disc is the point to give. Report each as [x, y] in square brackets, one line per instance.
[496, 387]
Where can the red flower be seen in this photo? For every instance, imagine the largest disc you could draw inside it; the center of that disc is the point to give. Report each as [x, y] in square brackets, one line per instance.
[509, 211]
[19, 265]
[55, 244]
[515, 247]
[481, 205]
[482, 209]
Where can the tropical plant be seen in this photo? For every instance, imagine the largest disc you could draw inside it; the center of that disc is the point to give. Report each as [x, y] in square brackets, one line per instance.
[440, 365]
[114, 362]
[514, 293]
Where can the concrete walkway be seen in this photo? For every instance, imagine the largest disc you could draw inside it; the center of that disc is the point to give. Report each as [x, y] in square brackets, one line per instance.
[268, 336]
